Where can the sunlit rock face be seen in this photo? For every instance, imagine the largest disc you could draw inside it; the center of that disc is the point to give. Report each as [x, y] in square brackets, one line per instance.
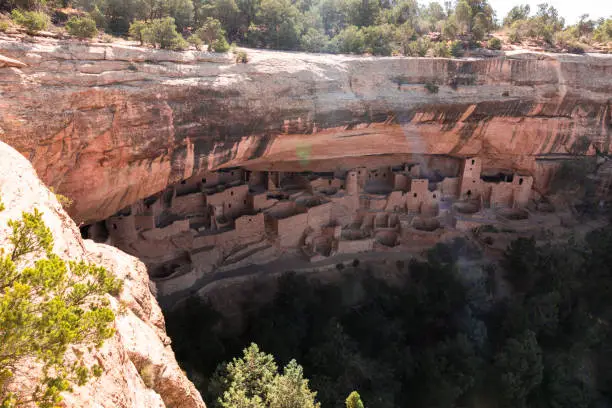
[140, 339]
[107, 125]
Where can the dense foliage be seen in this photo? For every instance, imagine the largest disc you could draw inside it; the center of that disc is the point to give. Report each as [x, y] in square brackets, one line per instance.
[32, 21]
[83, 27]
[435, 339]
[547, 27]
[379, 27]
[48, 307]
[253, 381]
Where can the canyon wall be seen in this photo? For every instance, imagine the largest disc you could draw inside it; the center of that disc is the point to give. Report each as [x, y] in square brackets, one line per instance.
[107, 124]
[140, 344]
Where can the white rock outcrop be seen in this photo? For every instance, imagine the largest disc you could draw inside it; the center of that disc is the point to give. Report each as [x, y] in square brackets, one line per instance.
[140, 340]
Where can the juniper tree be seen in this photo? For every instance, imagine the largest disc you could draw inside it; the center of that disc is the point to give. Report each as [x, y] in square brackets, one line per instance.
[48, 306]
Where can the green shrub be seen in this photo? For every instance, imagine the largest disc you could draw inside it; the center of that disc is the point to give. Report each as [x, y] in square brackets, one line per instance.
[196, 42]
[98, 17]
[378, 39]
[4, 26]
[565, 39]
[456, 49]
[160, 32]
[242, 57]
[418, 48]
[82, 27]
[213, 34]
[354, 400]
[313, 41]
[179, 44]
[603, 32]
[432, 88]
[220, 45]
[494, 43]
[514, 36]
[350, 41]
[32, 21]
[441, 50]
[63, 200]
[138, 31]
[48, 308]
[575, 47]
[147, 374]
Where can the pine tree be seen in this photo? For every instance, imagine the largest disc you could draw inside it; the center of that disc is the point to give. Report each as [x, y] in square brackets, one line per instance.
[47, 308]
[253, 381]
[354, 400]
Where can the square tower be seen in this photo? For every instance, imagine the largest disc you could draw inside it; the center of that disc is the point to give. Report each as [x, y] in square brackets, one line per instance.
[471, 185]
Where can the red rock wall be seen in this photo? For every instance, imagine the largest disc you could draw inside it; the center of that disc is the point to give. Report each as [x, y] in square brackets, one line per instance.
[109, 124]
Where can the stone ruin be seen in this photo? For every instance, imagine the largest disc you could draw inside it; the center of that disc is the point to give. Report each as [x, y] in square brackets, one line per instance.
[236, 217]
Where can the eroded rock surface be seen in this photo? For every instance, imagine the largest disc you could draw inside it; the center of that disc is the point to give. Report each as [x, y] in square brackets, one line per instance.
[109, 124]
[140, 340]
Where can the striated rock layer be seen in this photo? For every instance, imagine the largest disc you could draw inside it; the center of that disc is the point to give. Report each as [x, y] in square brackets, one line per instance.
[140, 342]
[109, 124]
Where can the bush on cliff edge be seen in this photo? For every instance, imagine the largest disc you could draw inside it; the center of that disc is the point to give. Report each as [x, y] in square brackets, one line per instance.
[82, 27]
[32, 21]
[47, 308]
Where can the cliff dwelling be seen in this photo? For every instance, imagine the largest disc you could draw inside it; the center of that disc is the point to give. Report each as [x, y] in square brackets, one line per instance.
[234, 217]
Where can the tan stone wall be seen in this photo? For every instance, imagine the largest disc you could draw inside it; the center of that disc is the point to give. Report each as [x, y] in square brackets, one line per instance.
[291, 229]
[471, 185]
[396, 201]
[343, 209]
[382, 174]
[190, 204]
[414, 170]
[450, 187]
[351, 247]
[262, 202]
[499, 194]
[401, 181]
[376, 203]
[322, 184]
[319, 216]
[352, 182]
[355, 180]
[177, 227]
[234, 200]
[188, 186]
[417, 194]
[121, 229]
[251, 227]
[522, 189]
[144, 222]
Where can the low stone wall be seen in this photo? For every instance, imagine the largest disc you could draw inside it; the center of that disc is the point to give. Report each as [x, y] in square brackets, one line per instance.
[396, 201]
[173, 284]
[189, 204]
[319, 216]
[262, 202]
[291, 229]
[354, 246]
[175, 228]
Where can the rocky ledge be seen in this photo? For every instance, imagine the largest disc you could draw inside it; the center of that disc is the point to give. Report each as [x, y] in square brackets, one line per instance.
[140, 343]
[108, 124]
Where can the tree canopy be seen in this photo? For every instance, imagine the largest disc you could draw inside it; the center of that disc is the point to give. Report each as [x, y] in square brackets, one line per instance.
[433, 339]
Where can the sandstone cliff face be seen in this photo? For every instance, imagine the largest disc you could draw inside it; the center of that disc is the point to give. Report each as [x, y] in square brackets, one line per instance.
[109, 124]
[140, 339]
